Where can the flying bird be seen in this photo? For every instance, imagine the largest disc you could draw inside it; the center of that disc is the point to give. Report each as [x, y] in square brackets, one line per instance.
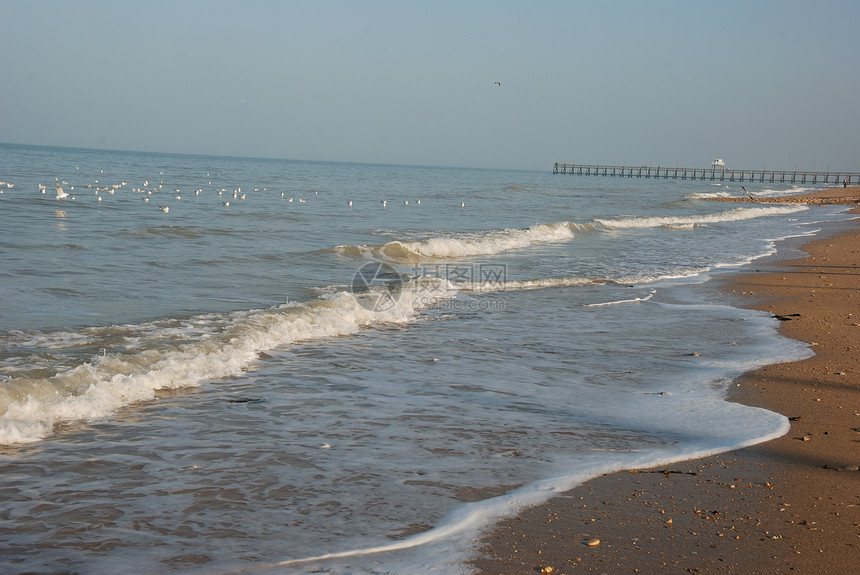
[497, 83]
[61, 195]
[745, 190]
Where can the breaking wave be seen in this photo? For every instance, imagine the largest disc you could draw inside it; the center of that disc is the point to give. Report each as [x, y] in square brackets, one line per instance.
[173, 354]
[464, 245]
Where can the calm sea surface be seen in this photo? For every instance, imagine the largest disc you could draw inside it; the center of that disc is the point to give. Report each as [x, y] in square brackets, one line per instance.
[350, 368]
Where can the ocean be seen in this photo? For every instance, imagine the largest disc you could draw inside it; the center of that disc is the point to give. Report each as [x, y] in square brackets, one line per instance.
[231, 365]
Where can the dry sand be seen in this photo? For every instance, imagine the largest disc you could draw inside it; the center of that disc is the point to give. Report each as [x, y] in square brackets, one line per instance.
[791, 505]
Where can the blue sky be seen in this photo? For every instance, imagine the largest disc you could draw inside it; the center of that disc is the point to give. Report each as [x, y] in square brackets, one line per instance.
[406, 82]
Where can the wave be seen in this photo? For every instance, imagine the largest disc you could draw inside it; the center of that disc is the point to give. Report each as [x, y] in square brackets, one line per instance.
[522, 285]
[173, 354]
[494, 242]
[762, 193]
[550, 283]
[485, 287]
[464, 245]
[705, 195]
[676, 222]
[793, 191]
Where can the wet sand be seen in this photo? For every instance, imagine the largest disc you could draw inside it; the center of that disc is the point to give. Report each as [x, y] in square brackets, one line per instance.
[791, 505]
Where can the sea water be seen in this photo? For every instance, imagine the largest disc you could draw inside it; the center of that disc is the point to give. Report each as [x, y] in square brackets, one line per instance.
[223, 365]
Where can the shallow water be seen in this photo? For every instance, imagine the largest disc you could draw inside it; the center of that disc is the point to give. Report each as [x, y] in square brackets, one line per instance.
[219, 388]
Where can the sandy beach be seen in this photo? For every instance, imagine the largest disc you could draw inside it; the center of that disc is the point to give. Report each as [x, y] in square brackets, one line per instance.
[791, 505]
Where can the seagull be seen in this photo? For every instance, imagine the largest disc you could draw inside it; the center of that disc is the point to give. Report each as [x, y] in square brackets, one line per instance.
[462, 204]
[164, 209]
[745, 190]
[61, 195]
[226, 204]
[349, 203]
[384, 203]
[418, 202]
[497, 83]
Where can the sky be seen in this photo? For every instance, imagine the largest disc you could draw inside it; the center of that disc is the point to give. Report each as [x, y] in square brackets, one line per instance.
[761, 84]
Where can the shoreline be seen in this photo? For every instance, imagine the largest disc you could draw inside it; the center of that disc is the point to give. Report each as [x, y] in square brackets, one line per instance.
[833, 196]
[789, 505]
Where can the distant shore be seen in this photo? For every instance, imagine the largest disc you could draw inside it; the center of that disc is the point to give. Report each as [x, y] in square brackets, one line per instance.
[790, 505]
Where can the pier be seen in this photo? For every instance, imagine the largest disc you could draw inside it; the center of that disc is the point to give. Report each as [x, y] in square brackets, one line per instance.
[713, 173]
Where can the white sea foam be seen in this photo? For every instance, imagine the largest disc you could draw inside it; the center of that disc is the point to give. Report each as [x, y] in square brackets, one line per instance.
[533, 284]
[440, 549]
[621, 301]
[763, 193]
[734, 215]
[794, 191]
[495, 242]
[706, 195]
[464, 245]
[226, 347]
